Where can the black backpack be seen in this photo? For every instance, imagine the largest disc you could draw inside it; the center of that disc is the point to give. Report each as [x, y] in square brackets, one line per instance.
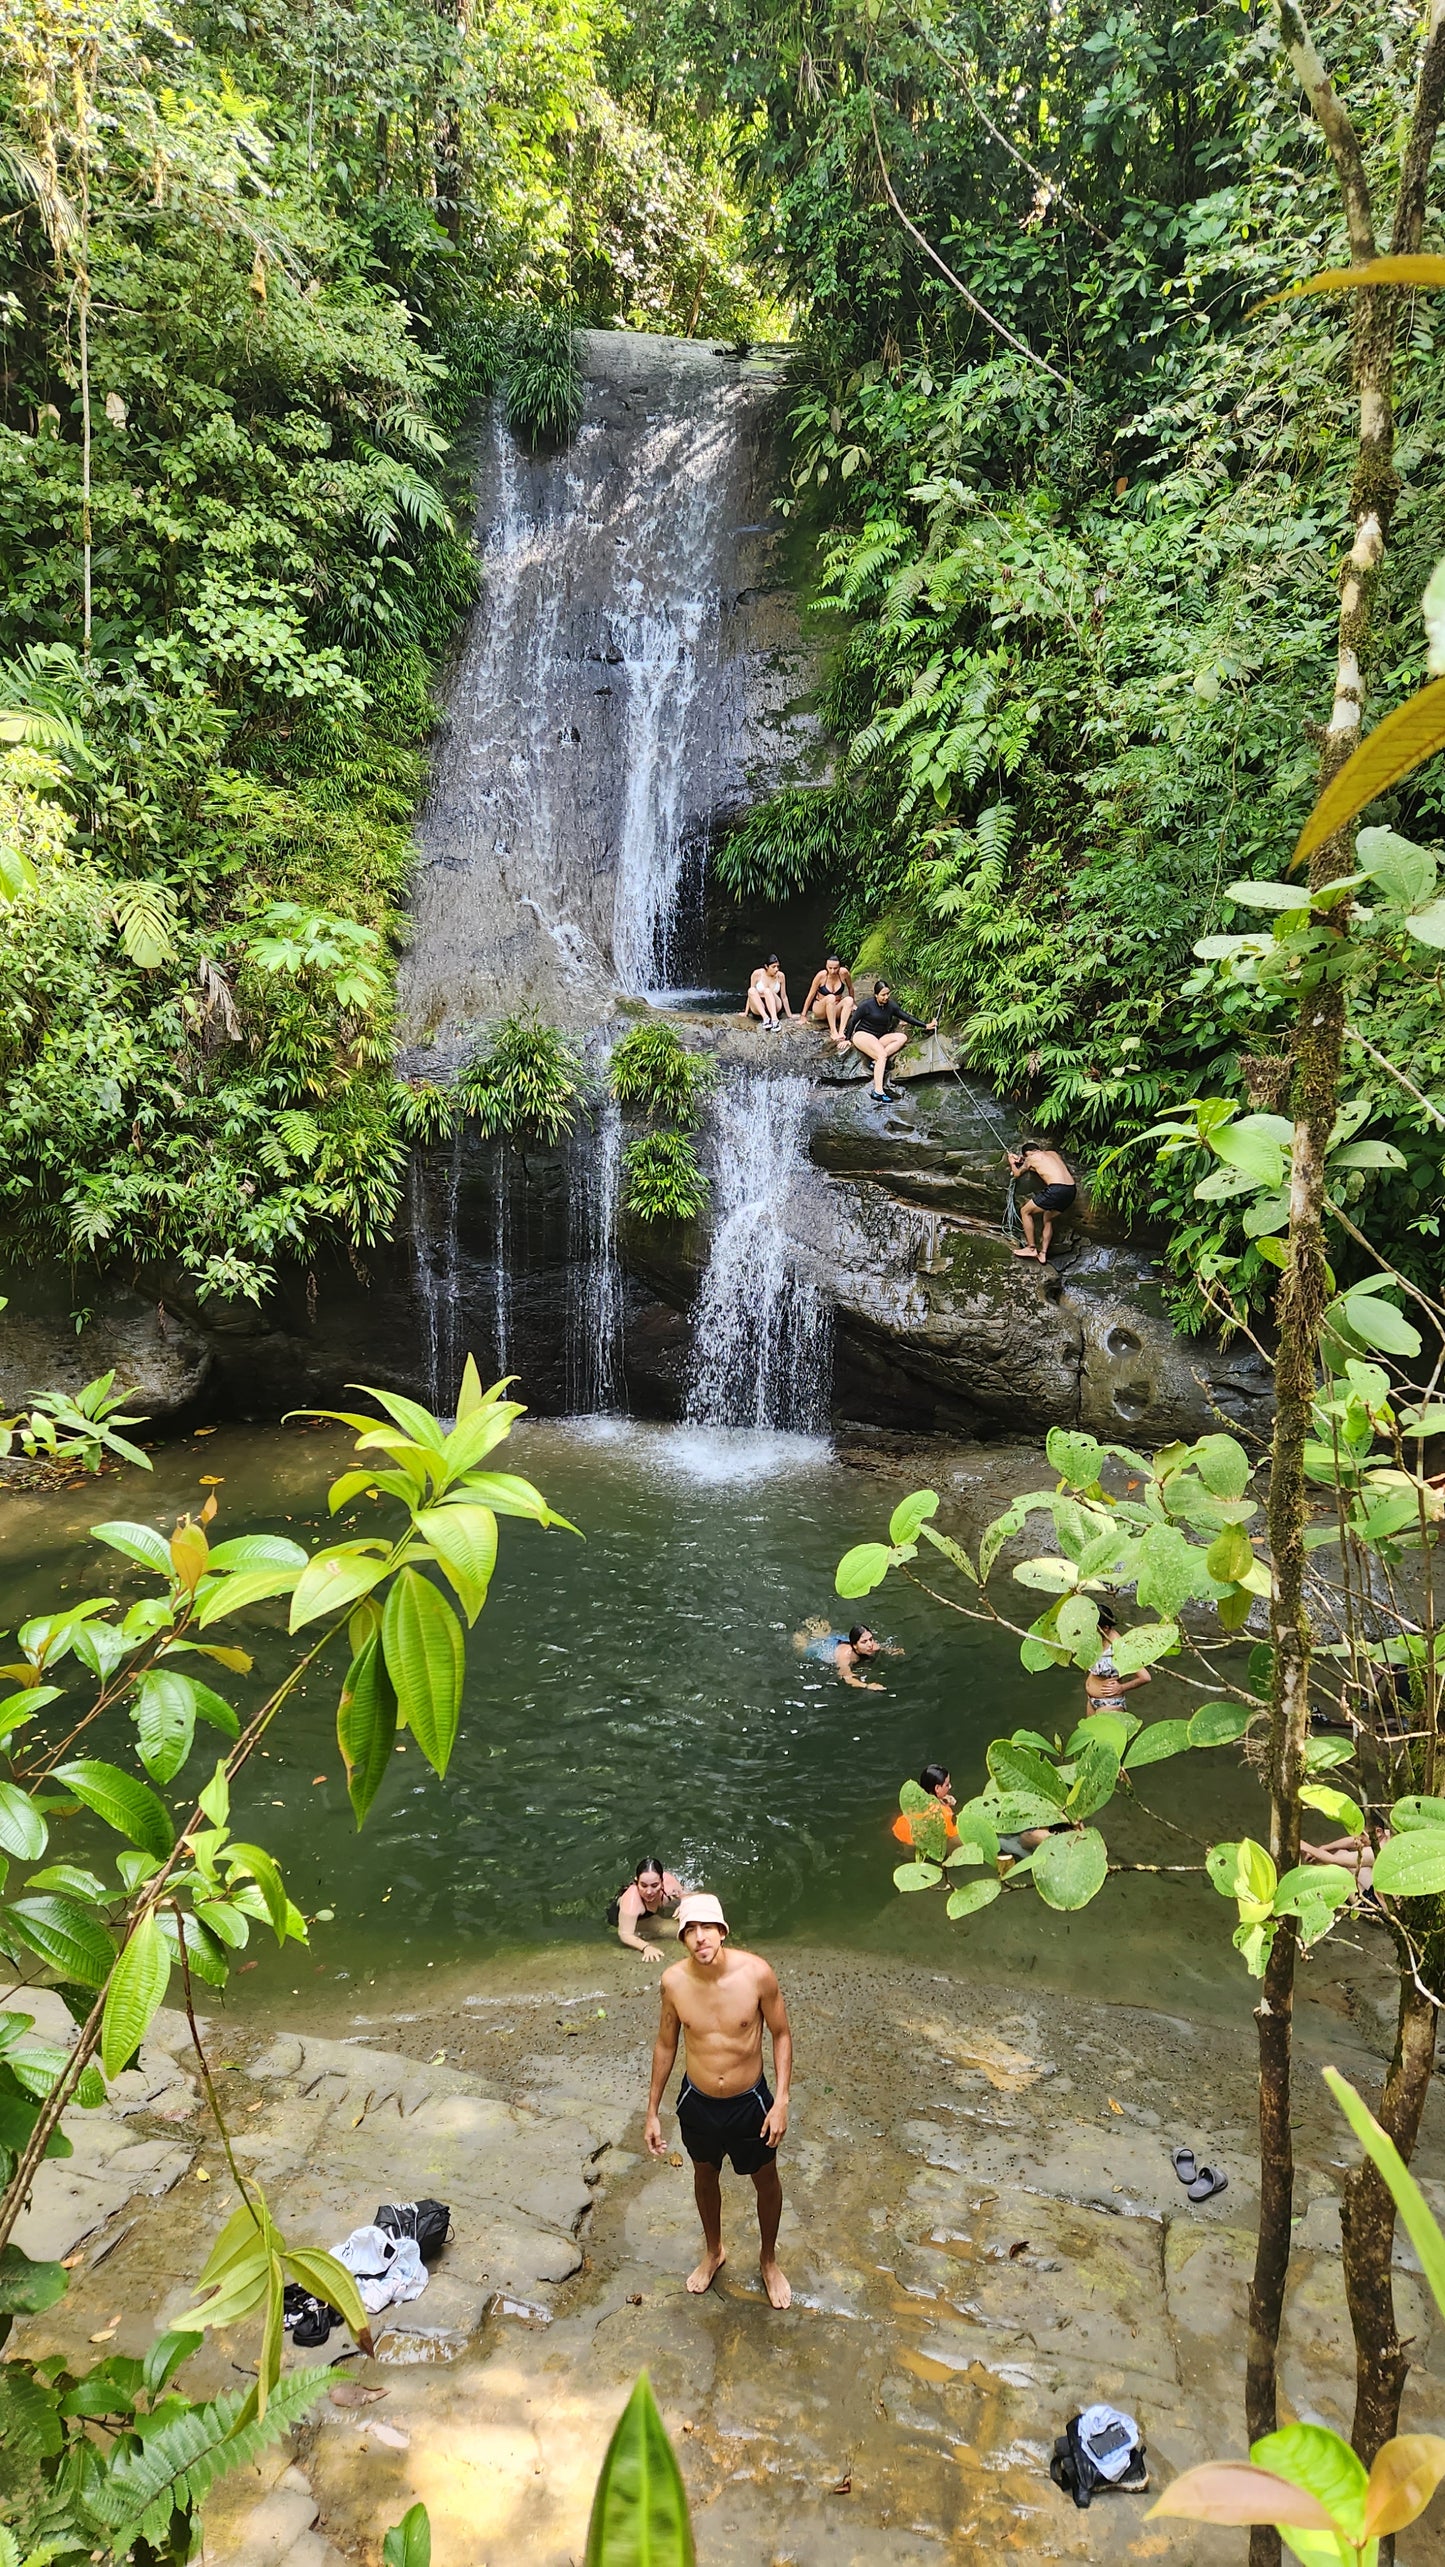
[430, 2223]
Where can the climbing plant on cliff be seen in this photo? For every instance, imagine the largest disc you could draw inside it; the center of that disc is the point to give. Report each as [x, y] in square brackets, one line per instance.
[653, 1073]
[187, 1891]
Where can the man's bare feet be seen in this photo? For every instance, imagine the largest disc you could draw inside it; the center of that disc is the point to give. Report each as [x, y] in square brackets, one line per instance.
[1026, 1252]
[775, 2282]
[703, 2275]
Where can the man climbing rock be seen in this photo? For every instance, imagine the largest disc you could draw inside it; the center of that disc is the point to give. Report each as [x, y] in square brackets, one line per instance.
[1058, 1192]
[721, 1999]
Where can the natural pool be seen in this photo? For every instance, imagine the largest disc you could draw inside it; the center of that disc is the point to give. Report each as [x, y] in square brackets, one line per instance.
[637, 1692]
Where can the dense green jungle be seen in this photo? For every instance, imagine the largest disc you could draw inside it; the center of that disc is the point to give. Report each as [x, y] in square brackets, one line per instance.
[1072, 480]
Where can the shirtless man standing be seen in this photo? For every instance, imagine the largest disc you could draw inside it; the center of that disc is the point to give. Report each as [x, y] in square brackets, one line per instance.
[721, 1999]
[1059, 1190]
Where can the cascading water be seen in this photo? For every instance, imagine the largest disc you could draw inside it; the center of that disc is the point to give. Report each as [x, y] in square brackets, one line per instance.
[501, 1259]
[594, 1317]
[436, 1273]
[625, 684]
[762, 1332]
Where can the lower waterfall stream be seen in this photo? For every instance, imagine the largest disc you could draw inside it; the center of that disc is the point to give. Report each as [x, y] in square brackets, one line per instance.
[762, 1331]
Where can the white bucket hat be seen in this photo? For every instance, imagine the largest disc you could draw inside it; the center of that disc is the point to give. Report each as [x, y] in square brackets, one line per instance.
[700, 1908]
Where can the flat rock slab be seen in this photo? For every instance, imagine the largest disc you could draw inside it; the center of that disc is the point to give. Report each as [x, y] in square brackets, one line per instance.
[982, 2228]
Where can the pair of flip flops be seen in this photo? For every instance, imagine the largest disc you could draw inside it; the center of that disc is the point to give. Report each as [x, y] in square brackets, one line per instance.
[1201, 2183]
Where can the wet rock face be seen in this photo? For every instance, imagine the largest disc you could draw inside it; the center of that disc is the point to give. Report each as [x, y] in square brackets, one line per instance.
[938, 1323]
[900, 1223]
[160, 1357]
[630, 680]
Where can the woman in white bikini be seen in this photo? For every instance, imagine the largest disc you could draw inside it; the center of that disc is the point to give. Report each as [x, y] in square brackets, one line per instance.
[767, 997]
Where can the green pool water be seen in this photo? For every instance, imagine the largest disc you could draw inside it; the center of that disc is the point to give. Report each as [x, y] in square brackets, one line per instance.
[638, 1691]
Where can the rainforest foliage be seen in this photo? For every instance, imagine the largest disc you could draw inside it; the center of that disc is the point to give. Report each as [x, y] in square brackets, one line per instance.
[1079, 532]
[254, 266]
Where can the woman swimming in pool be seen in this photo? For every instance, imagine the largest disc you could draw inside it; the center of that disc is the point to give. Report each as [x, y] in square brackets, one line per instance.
[652, 1891]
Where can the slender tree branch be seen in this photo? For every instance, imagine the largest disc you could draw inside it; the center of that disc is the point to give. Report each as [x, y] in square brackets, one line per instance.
[999, 328]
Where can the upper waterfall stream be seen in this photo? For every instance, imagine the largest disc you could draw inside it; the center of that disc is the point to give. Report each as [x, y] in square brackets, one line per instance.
[623, 688]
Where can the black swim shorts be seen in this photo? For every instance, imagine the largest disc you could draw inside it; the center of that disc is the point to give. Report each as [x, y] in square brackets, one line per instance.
[718, 2126]
[1055, 1198]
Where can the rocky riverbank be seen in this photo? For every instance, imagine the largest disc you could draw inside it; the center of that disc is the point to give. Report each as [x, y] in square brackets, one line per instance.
[983, 2231]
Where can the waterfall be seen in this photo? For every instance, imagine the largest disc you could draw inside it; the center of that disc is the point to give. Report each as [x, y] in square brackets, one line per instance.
[594, 1323]
[436, 1274]
[501, 1262]
[762, 1332]
[626, 681]
[664, 643]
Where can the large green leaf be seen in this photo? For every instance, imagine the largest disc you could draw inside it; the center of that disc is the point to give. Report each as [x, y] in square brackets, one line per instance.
[1223, 1465]
[1421, 2225]
[1095, 1777]
[258, 1551]
[1022, 1769]
[1141, 1647]
[1412, 1865]
[909, 1514]
[1070, 1870]
[136, 1542]
[237, 1593]
[967, 1900]
[27, 2287]
[863, 1568]
[464, 1539]
[1170, 1571]
[1163, 1738]
[23, 1831]
[916, 1876]
[65, 1935]
[1218, 1724]
[128, 1806]
[332, 1581]
[1310, 2456]
[137, 1988]
[408, 2543]
[1417, 1809]
[1396, 746]
[164, 1712]
[639, 2511]
[366, 1725]
[205, 1952]
[1078, 1459]
[425, 1657]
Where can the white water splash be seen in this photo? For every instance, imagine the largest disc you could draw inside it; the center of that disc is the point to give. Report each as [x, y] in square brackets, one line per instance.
[762, 1331]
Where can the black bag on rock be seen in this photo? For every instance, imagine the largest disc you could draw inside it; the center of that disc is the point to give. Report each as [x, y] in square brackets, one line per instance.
[430, 2223]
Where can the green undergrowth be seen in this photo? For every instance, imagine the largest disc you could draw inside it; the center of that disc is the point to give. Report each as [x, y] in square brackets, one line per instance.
[652, 1072]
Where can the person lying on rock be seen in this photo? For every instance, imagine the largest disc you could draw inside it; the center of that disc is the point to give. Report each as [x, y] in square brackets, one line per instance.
[1058, 1193]
[652, 1891]
[875, 1029]
[830, 996]
[767, 997]
[720, 1999]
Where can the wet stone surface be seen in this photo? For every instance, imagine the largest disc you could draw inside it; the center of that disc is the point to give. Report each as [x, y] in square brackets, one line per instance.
[982, 2228]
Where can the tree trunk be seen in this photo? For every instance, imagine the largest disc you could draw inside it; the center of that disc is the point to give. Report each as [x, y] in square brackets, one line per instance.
[1367, 2221]
[1318, 1045]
